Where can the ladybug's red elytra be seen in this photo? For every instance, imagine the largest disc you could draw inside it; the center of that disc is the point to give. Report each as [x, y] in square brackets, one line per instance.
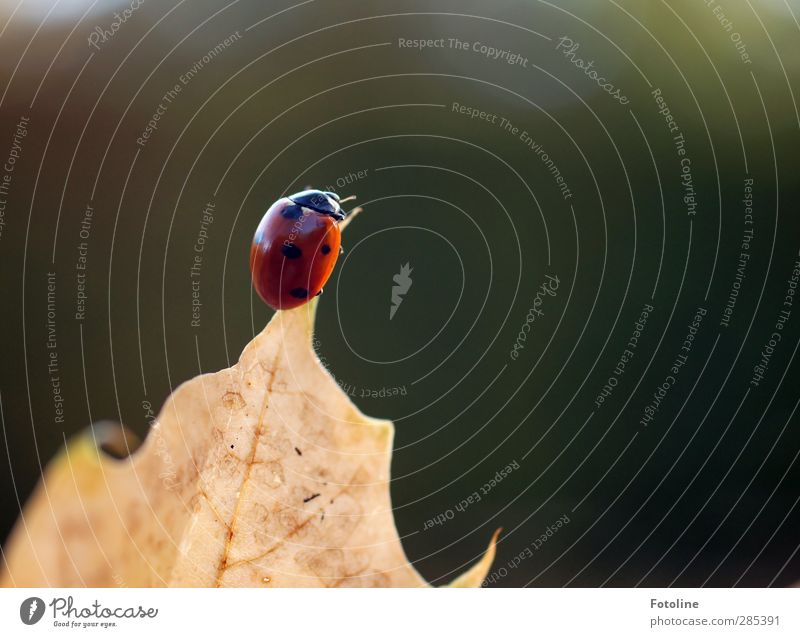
[295, 248]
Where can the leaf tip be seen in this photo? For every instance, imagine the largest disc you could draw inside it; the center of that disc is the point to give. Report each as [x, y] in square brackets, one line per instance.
[474, 577]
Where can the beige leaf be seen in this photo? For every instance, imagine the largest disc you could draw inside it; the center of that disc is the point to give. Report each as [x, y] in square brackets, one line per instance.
[264, 474]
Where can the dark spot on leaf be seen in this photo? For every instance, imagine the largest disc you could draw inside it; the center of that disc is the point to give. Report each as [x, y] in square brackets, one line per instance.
[311, 497]
[233, 400]
[299, 453]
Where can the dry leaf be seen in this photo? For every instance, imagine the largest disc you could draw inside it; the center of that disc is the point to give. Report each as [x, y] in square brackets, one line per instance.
[264, 474]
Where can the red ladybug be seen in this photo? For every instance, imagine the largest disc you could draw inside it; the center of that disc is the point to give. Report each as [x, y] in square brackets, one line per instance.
[295, 248]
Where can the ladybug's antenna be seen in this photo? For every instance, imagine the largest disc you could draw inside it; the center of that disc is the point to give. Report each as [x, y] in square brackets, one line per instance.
[350, 216]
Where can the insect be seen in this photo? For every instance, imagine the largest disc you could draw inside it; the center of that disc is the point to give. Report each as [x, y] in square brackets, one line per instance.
[295, 247]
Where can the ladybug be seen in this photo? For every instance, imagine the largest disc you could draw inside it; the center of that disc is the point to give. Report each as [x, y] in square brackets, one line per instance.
[295, 248]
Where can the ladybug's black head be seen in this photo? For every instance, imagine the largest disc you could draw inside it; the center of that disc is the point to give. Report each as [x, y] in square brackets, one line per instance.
[325, 203]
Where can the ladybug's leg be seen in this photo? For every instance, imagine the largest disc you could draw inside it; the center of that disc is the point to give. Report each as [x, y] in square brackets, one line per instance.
[318, 293]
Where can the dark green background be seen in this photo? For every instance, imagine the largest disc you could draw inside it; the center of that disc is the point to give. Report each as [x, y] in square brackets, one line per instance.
[339, 108]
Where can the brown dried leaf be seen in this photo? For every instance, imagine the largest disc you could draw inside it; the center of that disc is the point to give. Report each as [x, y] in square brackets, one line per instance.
[264, 474]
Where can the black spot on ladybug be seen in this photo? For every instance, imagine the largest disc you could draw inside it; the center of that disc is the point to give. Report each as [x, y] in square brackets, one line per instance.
[326, 248]
[291, 251]
[292, 212]
[299, 293]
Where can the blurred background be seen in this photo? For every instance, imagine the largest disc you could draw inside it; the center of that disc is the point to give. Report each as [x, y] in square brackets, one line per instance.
[121, 122]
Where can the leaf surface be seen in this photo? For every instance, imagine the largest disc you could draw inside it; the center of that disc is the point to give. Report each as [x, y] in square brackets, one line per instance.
[263, 474]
